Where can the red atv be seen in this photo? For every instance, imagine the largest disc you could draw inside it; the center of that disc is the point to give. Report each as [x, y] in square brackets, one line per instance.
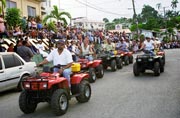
[127, 57]
[49, 87]
[94, 68]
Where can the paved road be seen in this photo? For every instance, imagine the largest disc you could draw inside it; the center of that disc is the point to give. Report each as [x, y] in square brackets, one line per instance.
[117, 95]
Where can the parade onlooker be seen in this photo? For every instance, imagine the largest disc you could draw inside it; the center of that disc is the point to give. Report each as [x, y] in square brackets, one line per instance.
[24, 51]
[11, 48]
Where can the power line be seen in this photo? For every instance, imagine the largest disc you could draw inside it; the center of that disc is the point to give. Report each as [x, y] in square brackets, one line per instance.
[98, 9]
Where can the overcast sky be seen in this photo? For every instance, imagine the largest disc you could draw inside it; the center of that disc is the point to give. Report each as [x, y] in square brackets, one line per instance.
[99, 9]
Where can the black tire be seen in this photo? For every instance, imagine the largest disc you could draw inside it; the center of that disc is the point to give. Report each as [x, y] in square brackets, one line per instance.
[126, 60]
[85, 92]
[156, 69]
[164, 60]
[92, 75]
[59, 102]
[20, 85]
[100, 71]
[136, 70]
[26, 105]
[113, 65]
[131, 59]
[119, 63]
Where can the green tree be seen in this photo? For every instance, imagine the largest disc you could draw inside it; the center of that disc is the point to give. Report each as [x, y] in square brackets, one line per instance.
[57, 15]
[3, 6]
[174, 4]
[105, 20]
[13, 17]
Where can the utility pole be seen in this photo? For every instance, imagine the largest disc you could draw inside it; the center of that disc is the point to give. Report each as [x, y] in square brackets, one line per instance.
[135, 18]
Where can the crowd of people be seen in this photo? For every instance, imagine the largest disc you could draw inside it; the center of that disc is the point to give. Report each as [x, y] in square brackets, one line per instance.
[68, 44]
[78, 41]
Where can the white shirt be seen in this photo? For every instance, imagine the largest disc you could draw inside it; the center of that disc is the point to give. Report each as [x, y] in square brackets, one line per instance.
[85, 50]
[63, 59]
[149, 45]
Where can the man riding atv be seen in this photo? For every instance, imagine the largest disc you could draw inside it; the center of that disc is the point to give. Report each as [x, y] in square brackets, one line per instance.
[60, 56]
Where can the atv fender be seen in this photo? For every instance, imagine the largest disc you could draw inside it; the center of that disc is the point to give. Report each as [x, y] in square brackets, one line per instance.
[77, 78]
[96, 63]
[61, 83]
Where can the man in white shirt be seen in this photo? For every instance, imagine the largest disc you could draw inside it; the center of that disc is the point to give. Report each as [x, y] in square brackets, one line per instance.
[60, 56]
[41, 48]
[148, 45]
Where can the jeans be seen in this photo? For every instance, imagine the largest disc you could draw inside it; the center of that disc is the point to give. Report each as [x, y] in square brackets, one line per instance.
[66, 74]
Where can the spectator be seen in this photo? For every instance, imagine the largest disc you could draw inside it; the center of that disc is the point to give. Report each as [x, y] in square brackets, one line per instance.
[25, 52]
[11, 48]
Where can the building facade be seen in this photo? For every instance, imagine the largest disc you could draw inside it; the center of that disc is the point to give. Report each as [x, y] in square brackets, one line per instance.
[88, 24]
[28, 7]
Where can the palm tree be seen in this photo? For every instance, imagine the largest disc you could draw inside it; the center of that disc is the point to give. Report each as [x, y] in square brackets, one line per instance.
[3, 5]
[55, 14]
[158, 5]
[174, 4]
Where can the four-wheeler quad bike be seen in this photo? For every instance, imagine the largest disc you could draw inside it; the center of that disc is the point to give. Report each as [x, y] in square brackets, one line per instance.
[94, 68]
[111, 59]
[148, 62]
[50, 87]
[127, 57]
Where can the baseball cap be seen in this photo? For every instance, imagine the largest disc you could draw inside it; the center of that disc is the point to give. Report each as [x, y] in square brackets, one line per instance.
[61, 41]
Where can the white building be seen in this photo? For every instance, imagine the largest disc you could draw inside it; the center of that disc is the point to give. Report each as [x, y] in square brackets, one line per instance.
[47, 7]
[87, 24]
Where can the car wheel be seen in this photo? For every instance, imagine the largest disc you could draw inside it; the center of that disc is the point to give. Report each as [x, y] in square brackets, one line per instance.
[26, 104]
[85, 92]
[20, 84]
[59, 102]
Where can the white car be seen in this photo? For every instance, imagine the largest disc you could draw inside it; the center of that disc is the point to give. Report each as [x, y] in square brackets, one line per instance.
[13, 69]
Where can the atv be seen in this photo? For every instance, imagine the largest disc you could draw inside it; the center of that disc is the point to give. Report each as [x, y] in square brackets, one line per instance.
[111, 59]
[54, 89]
[127, 57]
[93, 67]
[148, 61]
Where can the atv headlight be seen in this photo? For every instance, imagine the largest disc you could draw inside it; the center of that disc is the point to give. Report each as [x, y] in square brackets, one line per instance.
[139, 59]
[150, 59]
[45, 85]
[27, 85]
[108, 58]
[122, 54]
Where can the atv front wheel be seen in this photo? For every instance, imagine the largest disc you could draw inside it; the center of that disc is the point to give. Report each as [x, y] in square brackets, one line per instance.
[131, 59]
[113, 65]
[136, 69]
[119, 63]
[100, 71]
[126, 60]
[92, 75]
[156, 69]
[85, 92]
[59, 102]
[26, 104]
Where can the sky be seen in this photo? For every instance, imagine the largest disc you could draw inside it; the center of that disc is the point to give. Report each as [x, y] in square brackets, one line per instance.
[111, 9]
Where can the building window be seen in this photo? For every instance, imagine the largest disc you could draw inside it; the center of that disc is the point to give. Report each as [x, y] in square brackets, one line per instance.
[31, 11]
[11, 4]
